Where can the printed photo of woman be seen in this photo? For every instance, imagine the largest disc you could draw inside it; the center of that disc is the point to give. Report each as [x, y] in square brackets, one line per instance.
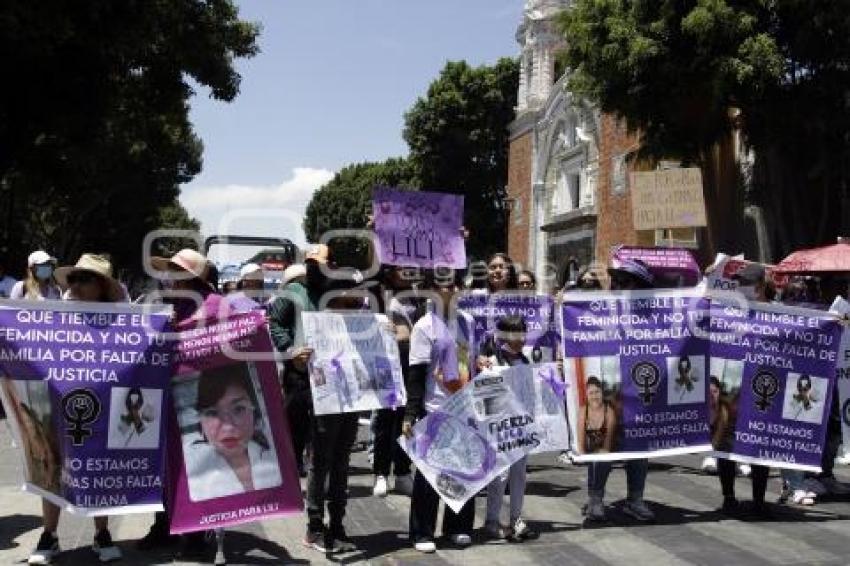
[597, 421]
[229, 451]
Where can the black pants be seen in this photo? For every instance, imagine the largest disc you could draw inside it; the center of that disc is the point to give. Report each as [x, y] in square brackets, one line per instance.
[424, 505]
[758, 475]
[299, 412]
[388, 452]
[388, 429]
[333, 437]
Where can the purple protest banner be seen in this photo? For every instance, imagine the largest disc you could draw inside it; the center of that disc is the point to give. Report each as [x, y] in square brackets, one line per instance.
[636, 373]
[418, 228]
[229, 449]
[775, 370]
[486, 309]
[84, 386]
[671, 267]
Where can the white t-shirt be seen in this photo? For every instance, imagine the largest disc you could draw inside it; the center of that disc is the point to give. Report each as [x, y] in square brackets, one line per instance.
[211, 477]
[432, 343]
[6, 285]
[52, 292]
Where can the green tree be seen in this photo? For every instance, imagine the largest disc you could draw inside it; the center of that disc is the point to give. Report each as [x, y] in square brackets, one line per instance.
[458, 138]
[94, 131]
[684, 73]
[345, 202]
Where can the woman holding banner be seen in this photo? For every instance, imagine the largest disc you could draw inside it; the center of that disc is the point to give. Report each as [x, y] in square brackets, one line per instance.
[762, 292]
[511, 334]
[626, 275]
[89, 280]
[189, 285]
[436, 372]
[403, 309]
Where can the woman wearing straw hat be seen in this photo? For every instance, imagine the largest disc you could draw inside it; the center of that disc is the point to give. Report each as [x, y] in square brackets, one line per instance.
[89, 280]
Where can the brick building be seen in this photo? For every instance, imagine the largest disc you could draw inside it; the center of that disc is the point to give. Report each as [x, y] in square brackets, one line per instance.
[568, 173]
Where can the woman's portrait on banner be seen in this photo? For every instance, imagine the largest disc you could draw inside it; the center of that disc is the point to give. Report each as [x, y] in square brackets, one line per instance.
[227, 442]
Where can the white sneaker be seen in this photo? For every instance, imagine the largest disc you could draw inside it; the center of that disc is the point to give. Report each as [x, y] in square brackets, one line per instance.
[46, 550]
[104, 547]
[801, 497]
[745, 470]
[709, 465]
[843, 460]
[404, 484]
[380, 489]
[462, 540]
[564, 458]
[425, 546]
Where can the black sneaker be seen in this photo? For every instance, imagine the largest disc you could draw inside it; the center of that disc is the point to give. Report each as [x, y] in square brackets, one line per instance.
[46, 549]
[730, 506]
[337, 541]
[157, 537]
[315, 538]
[194, 546]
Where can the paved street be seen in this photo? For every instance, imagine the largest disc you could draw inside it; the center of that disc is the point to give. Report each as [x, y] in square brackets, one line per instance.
[688, 530]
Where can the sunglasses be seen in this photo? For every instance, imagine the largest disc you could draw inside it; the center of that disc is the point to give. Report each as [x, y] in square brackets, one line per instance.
[81, 278]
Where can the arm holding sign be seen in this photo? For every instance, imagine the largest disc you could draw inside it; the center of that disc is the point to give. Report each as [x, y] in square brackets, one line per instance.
[415, 408]
[281, 317]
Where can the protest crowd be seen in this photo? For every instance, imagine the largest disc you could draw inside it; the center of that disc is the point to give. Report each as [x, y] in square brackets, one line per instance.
[461, 369]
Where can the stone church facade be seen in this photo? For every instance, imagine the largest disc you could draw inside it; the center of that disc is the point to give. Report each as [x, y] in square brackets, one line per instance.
[568, 174]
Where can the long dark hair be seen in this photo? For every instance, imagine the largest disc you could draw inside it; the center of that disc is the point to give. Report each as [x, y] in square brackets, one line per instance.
[214, 382]
[512, 276]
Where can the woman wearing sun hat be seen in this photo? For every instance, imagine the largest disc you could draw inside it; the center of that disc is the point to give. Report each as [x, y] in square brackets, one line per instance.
[90, 279]
[39, 283]
[187, 275]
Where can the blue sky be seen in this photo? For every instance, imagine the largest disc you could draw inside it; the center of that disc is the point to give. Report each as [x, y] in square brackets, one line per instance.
[329, 88]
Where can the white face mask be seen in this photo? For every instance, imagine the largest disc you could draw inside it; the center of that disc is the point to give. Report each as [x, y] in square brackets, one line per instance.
[43, 272]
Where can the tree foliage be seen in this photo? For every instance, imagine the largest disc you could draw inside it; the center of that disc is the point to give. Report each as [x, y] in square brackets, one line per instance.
[684, 73]
[458, 137]
[94, 131]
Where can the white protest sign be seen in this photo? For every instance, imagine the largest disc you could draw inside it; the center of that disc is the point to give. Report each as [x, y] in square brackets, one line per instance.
[355, 365]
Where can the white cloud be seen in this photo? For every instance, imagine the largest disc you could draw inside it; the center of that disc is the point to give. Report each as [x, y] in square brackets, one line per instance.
[251, 210]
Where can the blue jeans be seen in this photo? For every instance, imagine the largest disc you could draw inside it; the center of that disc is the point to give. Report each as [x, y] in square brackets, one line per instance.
[597, 477]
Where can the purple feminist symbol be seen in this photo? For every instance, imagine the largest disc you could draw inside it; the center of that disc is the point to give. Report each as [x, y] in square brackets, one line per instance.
[435, 423]
[558, 386]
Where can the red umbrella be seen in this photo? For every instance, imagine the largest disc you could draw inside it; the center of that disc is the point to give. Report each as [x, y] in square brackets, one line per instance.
[818, 260]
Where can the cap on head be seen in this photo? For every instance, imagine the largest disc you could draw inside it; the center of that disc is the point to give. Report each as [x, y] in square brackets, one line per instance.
[251, 272]
[632, 268]
[39, 257]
